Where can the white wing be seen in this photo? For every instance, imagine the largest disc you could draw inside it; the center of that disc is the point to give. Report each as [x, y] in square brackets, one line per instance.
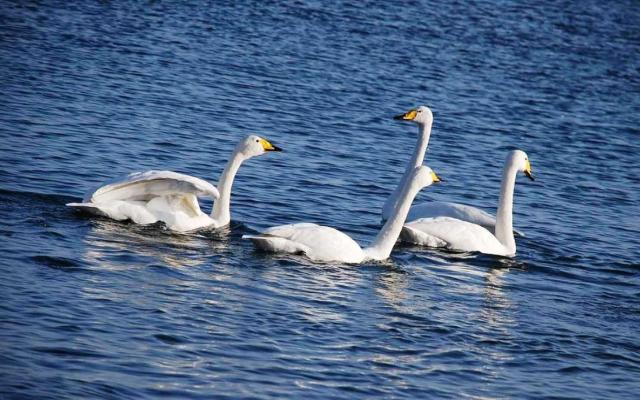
[459, 211]
[320, 243]
[143, 186]
[414, 235]
[454, 210]
[148, 197]
[453, 234]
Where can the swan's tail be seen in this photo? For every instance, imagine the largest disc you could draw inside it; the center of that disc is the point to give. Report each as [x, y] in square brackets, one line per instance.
[87, 207]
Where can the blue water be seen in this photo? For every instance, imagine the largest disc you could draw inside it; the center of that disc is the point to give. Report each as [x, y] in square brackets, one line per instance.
[92, 308]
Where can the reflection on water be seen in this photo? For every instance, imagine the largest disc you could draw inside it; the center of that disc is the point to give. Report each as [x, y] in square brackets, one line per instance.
[496, 308]
[319, 291]
[108, 239]
[489, 311]
[392, 288]
[497, 316]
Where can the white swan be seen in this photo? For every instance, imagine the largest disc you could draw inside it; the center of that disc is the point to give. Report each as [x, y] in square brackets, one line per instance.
[325, 244]
[423, 117]
[170, 197]
[458, 235]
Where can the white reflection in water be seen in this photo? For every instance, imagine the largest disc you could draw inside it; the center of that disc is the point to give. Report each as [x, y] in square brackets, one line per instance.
[110, 241]
[497, 308]
[320, 292]
[392, 288]
[476, 294]
[497, 319]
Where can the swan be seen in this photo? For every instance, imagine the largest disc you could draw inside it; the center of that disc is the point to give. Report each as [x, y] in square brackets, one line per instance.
[171, 197]
[458, 235]
[423, 117]
[324, 244]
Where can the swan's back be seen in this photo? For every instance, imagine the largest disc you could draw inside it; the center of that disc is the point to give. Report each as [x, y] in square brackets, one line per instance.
[459, 211]
[454, 234]
[319, 243]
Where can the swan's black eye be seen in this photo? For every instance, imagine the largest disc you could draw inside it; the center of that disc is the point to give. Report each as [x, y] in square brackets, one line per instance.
[257, 140]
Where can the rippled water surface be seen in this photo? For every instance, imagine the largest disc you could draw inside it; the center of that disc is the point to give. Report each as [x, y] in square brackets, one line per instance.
[92, 308]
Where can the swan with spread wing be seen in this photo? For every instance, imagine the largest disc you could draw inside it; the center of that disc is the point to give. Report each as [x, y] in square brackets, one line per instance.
[171, 197]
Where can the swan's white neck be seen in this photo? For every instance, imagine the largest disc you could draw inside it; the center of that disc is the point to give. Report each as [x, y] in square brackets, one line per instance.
[417, 158]
[221, 213]
[381, 247]
[504, 216]
[424, 133]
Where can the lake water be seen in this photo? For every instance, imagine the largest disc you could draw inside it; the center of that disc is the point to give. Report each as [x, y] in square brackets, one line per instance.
[93, 308]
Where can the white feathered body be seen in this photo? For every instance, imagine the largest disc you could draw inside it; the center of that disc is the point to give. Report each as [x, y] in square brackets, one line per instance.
[319, 243]
[324, 244]
[452, 234]
[459, 211]
[454, 210]
[170, 197]
[152, 196]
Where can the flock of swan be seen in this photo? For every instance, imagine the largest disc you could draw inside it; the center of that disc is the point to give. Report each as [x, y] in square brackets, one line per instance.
[170, 197]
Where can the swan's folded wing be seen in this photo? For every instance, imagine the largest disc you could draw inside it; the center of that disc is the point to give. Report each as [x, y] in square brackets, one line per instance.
[317, 241]
[458, 235]
[143, 186]
[459, 211]
[319, 238]
[291, 231]
[412, 235]
[276, 244]
[281, 238]
[454, 210]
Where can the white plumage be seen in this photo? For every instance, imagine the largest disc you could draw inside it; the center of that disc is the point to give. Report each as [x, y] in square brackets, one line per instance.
[459, 235]
[324, 244]
[319, 243]
[146, 185]
[152, 196]
[454, 210]
[451, 233]
[423, 117]
[171, 197]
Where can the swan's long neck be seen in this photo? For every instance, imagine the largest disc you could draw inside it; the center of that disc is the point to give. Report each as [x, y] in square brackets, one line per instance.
[416, 160]
[504, 217]
[381, 247]
[221, 213]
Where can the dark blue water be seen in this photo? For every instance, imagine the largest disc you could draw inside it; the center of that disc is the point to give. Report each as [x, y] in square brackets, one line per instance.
[92, 308]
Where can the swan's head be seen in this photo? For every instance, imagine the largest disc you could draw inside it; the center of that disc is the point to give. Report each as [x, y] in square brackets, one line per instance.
[419, 115]
[424, 176]
[254, 145]
[520, 159]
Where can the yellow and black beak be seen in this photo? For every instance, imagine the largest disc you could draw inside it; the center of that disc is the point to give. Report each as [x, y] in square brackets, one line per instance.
[435, 177]
[527, 170]
[408, 116]
[267, 146]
